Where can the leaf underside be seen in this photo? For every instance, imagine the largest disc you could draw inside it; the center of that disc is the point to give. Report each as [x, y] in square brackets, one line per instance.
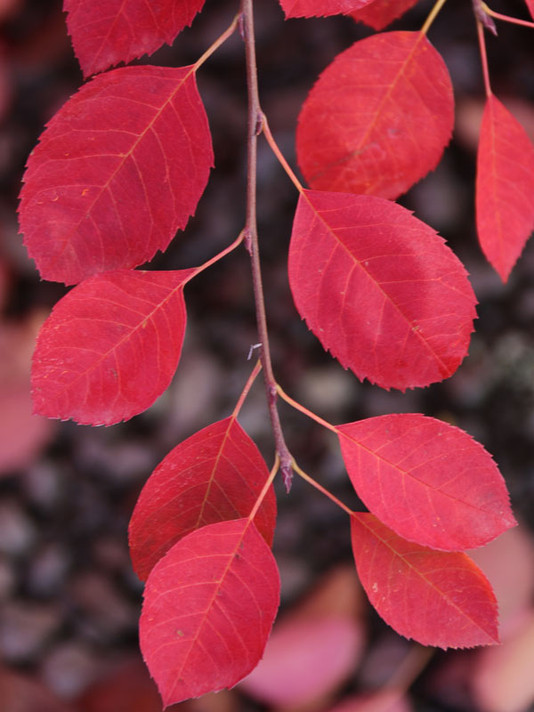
[434, 597]
[209, 606]
[379, 289]
[215, 475]
[119, 169]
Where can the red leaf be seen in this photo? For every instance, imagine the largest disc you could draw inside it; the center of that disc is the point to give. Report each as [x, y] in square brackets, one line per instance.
[209, 607]
[122, 30]
[378, 118]
[437, 598]
[505, 186]
[215, 475]
[110, 346]
[314, 649]
[119, 169]
[401, 468]
[381, 13]
[380, 289]
[320, 8]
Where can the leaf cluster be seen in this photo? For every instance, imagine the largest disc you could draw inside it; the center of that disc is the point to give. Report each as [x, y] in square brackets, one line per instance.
[121, 168]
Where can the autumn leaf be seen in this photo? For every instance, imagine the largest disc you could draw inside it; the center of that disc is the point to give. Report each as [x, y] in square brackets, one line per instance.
[209, 606]
[437, 598]
[320, 8]
[104, 34]
[118, 170]
[378, 118]
[504, 187]
[215, 475]
[110, 346]
[380, 13]
[401, 468]
[379, 289]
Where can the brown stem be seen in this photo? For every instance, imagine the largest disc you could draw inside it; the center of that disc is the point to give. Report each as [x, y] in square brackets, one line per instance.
[255, 121]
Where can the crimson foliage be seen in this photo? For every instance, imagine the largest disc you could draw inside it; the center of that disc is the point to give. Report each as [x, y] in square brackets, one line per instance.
[121, 168]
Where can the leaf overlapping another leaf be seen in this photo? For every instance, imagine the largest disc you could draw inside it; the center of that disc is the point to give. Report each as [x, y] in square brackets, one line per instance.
[119, 169]
[104, 34]
[378, 118]
[110, 346]
[401, 468]
[379, 289]
[504, 187]
[215, 475]
[209, 606]
[435, 597]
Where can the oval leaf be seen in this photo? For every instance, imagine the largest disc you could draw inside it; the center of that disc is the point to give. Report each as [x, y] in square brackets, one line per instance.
[401, 468]
[435, 597]
[119, 169]
[320, 8]
[379, 289]
[215, 475]
[380, 13]
[104, 34]
[378, 118]
[110, 346]
[504, 188]
[209, 606]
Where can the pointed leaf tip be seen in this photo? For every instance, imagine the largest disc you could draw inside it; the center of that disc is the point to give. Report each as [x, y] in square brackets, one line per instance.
[436, 598]
[504, 187]
[209, 606]
[320, 8]
[215, 475]
[104, 34]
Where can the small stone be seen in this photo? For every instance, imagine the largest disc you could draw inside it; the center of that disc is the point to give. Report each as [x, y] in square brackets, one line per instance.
[25, 630]
[70, 668]
[17, 532]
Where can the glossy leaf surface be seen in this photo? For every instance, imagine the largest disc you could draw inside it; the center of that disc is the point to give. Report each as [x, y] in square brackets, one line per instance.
[504, 188]
[320, 8]
[110, 346]
[379, 289]
[119, 169]
[435, 597]
[104, 34]
[378, 118]
[380, 13]
[215, 475]
[208, 610]
[401, 468]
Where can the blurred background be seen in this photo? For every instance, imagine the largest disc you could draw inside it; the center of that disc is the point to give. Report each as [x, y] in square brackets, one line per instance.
[69, 601]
